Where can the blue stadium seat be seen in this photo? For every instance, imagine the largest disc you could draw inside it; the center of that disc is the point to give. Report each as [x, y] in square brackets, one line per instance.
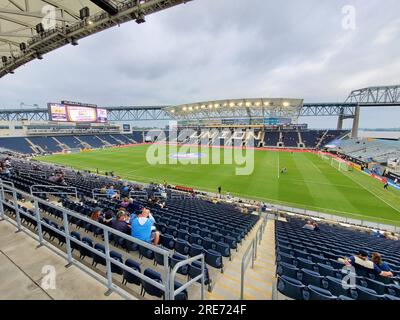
[182, 247]
[195, 250]
[377, 286]
[285, 269]
[224, 250]
[158, 259]
[214, 259]
[150, 288]
[336, 287]
[147, 253]
[195, 238]
[304, 263]
[300, 254]
[325, 270]
[195, 270]
[183, 234]
[390, 297]
[317, 293]
[309, 277]
[167, 241]
[96, 258]
[344, 298]
[129, 277]
[290, 287]
[176, 259]
[283, 257]
[284, 249]
[363, 293]
[118, 257]
[209, 243]
[83, 251]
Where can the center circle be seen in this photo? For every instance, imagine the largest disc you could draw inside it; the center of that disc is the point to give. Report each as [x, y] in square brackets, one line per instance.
[186, 156]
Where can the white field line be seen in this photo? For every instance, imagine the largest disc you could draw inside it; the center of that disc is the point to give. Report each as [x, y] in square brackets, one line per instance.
[318, 169]
[376, 196]
[306, 207]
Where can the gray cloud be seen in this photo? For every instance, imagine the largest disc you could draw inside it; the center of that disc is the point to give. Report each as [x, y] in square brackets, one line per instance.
[215, 49]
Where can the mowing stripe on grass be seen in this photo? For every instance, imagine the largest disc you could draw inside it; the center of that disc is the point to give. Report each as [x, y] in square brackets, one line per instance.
[374, 194]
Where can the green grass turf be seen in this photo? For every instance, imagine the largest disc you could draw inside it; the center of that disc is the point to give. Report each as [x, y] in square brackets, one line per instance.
[310, 182]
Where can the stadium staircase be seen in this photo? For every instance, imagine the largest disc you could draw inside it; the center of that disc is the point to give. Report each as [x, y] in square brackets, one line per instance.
[34, 147]
[259, 281]
[83, 143]
[117, 140]
[105, 142]
[63, 146]
[280, 142]
[322, 139]
[300, 139]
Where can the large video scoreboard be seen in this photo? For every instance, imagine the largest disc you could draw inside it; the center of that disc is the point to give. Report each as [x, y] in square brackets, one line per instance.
[68, 111]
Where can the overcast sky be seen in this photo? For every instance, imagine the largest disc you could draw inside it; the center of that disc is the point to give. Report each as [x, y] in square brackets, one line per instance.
[217, 49]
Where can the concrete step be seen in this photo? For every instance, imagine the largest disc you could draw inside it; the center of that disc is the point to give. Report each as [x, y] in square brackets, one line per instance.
[258, 280]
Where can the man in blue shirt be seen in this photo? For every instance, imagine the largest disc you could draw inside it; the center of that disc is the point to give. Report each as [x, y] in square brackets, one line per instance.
[111, 192]
[143, 228]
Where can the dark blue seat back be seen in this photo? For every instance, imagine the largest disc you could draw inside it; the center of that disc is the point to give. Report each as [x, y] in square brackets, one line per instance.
[290, 287]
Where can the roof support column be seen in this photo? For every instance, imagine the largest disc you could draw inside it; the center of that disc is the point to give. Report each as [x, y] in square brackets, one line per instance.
[356, 122]
[340, 119]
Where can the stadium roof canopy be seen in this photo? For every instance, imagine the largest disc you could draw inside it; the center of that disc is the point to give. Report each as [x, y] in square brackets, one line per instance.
[238, 108]
[31, 28]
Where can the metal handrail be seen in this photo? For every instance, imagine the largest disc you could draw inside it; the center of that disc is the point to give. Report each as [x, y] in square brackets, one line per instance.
[68, 238]
[138, 195]
[251, 249]
[180, 264]
[74, 192]
[97, 193]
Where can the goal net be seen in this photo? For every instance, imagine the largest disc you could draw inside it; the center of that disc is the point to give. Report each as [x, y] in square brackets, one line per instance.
[72, 150]
[323, 156]
[340, 165]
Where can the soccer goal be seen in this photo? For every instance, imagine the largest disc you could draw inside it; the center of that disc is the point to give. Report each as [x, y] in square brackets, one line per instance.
[72, 150]
[340, 165]
[323, 156]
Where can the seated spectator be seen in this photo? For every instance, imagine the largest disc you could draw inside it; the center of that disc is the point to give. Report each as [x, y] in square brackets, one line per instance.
[120, 223]
[133, 206]
[107, 218]
[362, 262]
[125, 203]
[309, 226]
[143, 228]
[377, 259]
[111, 192]
[125, 189]
[96, 214]
[316, 227]
[391, 236]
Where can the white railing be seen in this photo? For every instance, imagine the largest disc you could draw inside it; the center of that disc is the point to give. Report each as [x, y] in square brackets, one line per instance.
[251, 251]
[7, 188]
[53, 190]
[339, 219]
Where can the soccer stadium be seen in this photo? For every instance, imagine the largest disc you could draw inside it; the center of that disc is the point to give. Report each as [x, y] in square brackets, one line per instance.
[238, 198]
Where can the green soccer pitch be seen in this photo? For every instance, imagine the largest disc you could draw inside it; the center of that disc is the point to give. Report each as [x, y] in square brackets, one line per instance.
[309, 183]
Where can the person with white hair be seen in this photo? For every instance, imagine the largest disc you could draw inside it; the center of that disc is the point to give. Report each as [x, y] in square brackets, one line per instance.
[143, 228]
